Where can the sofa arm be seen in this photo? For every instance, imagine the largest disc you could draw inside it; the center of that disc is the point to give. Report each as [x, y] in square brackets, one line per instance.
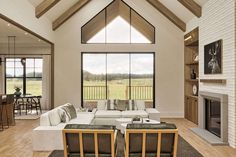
[94, 110]
[153, 114]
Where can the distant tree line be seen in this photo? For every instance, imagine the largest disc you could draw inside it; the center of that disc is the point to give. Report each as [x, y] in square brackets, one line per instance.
[100, 77]
[31, 74]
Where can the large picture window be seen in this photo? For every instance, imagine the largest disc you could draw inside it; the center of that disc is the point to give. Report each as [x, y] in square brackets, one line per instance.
[122, 76]
[25, 73]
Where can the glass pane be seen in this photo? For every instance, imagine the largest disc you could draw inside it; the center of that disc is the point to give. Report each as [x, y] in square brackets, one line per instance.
[30, 63]
[29, 72]
[141, 30]
[38, 63]
[11, 83]
[9, 72]
[18, 64]
[94, 30]
[118, 23]
[10, 64]
[118, 76]
[18, 72]
[94, 77]
[142, 77]
[34, 86]
[38, 72]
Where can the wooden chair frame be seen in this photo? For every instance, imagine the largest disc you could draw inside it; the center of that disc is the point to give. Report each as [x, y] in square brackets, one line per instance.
[147, 131]
[90, 131]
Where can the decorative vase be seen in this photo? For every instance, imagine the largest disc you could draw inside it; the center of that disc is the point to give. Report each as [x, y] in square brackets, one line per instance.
[193, 75]
[17, 92]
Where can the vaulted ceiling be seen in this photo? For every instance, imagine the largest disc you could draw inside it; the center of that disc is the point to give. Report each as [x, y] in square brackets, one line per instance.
[177, 11]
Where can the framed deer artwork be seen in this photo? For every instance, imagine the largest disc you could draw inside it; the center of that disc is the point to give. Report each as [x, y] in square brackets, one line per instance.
[213, 58]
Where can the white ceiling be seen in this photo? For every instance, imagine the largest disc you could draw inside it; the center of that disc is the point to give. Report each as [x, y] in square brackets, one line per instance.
[173, 5]
[22, 38]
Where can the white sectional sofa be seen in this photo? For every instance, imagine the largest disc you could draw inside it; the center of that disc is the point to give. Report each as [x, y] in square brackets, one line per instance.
[48, 136]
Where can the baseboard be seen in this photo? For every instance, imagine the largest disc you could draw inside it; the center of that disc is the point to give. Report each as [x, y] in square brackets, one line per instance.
[172, 114]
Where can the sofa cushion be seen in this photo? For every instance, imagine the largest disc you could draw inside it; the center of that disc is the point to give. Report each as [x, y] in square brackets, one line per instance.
[64, 115]
[70, 109]
[108, 114]
[101, 104]
[140, 104]
[132, 114]
[132, 106]
[54, 117]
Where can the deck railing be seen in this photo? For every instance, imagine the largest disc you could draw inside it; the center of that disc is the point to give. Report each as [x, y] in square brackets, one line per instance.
[99, 92]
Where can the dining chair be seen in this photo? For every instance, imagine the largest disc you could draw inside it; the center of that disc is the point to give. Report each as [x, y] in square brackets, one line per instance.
[36, 103]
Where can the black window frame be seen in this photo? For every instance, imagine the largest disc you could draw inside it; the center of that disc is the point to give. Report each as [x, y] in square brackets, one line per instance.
[24, 77]
[154, 73]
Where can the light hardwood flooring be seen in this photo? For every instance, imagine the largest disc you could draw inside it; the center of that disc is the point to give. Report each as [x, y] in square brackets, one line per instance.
[17, 140]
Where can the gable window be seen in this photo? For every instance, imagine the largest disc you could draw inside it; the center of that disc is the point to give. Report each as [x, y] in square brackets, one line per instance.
[118, 23]
[123, 76]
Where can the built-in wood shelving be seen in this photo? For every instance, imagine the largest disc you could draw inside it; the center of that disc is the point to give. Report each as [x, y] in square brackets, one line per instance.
[190, 64]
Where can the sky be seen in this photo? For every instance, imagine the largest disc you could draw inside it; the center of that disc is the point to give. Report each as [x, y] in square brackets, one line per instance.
[118, 63]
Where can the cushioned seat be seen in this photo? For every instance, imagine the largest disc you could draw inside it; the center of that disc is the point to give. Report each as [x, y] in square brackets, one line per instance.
[107, 114]
[132, 114]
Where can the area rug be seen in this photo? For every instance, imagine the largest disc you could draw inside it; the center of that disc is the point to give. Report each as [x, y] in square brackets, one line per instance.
[30, 116]
[184, 149]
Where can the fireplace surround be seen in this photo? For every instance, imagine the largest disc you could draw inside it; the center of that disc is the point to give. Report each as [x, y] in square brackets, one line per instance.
[213, 120]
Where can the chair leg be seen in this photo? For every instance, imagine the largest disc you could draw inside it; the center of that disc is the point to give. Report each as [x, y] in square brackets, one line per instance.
[7, 116]
[2, 118]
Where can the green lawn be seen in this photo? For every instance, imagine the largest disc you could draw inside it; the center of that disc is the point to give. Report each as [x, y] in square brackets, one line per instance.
[34, 86]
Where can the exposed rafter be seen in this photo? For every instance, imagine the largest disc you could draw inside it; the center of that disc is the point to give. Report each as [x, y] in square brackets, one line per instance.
[167, 13]
[44, 6]
[70, 12]
[192, 6]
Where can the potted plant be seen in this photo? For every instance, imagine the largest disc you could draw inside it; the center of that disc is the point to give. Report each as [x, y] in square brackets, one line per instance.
[17, 91]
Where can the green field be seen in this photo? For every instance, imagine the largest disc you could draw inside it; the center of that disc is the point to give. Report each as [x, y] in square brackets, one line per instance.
[33, 86]
[117, 89]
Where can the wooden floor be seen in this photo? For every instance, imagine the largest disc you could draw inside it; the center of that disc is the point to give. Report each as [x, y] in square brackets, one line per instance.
[17, 141]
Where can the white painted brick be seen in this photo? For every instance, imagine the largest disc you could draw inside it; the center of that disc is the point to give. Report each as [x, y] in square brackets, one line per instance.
[218, 22]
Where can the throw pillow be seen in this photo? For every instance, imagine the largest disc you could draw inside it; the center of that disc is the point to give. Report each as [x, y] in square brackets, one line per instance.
[101, 104]
[111, 104]
[54, 117]
[140, 104]
[72, 111]
[132, 106]
[64, 115]
[122, 105]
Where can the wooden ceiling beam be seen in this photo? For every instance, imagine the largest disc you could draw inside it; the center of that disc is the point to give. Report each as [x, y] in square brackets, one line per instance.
[70, 12]
[44, 6]
[168, 14]
[192, 6]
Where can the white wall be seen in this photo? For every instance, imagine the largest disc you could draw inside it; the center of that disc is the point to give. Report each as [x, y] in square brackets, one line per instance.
[218, 22]
[22, 12]
[168, 48]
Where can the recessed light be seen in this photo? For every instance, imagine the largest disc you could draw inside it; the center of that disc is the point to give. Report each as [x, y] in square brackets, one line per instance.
[8, 24]
[39, 40]
[26, 33]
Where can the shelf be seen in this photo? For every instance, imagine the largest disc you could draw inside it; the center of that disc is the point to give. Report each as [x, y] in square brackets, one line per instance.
[219, 81]
[192, 80]
[192, 63]
[192, 96]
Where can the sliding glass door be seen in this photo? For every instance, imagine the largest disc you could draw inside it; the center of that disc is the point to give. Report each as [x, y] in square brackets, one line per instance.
[121, 76]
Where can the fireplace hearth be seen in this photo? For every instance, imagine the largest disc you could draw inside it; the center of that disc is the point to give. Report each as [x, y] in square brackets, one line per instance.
[213, 118]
